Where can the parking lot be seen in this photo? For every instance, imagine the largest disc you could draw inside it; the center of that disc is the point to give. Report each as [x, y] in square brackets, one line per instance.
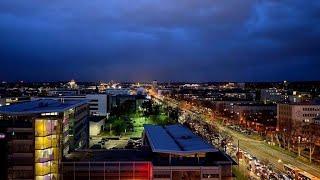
[115, 143]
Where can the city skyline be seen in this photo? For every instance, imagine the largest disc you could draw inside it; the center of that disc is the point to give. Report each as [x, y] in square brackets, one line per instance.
[163, 40]
[154, 130]
[160, 90]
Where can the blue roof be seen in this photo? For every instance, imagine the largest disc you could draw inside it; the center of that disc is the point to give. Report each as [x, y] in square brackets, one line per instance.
[175, 139]
[41, 106]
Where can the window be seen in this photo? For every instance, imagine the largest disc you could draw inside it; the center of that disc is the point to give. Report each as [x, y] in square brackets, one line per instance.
[49, 114]
[207, 176]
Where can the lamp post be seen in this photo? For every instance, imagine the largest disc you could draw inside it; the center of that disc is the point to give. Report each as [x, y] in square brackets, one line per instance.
[299, 148]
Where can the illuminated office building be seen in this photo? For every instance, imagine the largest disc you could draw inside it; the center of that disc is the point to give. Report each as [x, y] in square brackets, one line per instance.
[38, 134]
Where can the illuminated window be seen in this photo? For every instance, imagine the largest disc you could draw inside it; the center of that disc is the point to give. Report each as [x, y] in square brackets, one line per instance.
[49, 114]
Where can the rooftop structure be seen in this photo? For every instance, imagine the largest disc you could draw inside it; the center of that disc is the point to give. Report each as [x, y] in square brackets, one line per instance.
[175, 139]
[41, 106]
[97, 102]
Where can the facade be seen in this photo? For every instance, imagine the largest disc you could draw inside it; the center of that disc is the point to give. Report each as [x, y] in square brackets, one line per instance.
[238, 95]
[63, 92]
[118, 91]
[227, 106]
[297, 128]
[293, 115]
[117, 100]
[251, 108]
[299, 97]
[12, 100]
[98, 104]
[260, 117]
[244, 110]
[38, 134]
[96, 125]
[100, 170]
[315, 136]
[116, 96]
[271, 95]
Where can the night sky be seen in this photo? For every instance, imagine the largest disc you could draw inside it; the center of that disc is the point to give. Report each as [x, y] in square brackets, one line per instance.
[177, 40]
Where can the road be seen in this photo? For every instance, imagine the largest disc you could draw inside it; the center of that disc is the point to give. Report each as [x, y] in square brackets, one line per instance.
[263, 151]
[257, 148]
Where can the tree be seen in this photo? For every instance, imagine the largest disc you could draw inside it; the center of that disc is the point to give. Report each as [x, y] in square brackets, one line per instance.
[312, 140]
[174, 114]
[147, 107]
[124, 108]
[119, 125]
[156, 109]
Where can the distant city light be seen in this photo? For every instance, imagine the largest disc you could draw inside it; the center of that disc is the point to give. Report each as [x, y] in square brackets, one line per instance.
[2, 136]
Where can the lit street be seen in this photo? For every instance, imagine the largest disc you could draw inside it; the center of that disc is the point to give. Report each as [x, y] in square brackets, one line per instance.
[263, 151]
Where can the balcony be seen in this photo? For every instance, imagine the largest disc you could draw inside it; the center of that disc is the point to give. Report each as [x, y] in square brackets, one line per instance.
[47, 177]
[46, 142]
[20, 161]
[45, 127]
[20, 146]
[42, 169]
[46, 155]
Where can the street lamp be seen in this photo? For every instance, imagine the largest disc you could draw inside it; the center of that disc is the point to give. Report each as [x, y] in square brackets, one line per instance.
[299, 141]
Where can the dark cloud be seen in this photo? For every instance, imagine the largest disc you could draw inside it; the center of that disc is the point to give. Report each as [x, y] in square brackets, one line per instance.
[206, 40]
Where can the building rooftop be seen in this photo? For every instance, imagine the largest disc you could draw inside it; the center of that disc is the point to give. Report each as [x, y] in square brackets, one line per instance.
[175, 139]
[41, 106]
[257, 104]
[311, 103]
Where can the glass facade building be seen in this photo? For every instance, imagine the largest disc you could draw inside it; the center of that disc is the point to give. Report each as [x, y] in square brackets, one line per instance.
[39, 134]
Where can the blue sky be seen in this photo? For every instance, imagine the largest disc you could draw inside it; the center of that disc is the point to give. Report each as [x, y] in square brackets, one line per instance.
[186, 40]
